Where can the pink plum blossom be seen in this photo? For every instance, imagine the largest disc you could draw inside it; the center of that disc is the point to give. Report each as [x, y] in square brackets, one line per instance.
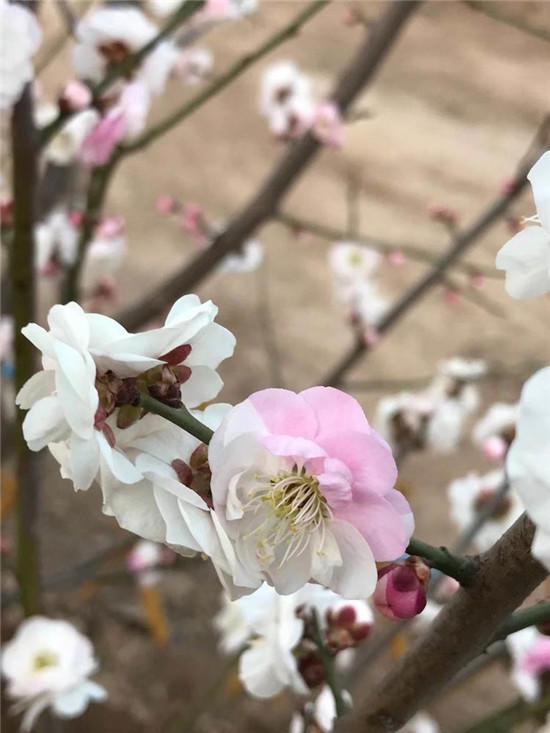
[328, 126]
[166, 204]
[99, 145]
[76, 96]
[304, 488]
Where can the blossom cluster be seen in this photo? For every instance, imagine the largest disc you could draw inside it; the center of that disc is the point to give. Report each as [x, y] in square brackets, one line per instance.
[288, 103]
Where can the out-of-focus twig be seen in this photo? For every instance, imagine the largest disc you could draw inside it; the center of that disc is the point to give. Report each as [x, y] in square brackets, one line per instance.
[261, 207]
[494, 10]
[58, 43]
[414, 253]
[462, 243]
[27, 469]
[68, 15]
[511, 717]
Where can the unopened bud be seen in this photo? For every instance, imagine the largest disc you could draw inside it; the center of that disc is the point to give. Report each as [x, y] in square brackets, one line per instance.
[347, 625]
[401, 589]
[75, 97]
[312, 669]
[183, 471]
[444, 214]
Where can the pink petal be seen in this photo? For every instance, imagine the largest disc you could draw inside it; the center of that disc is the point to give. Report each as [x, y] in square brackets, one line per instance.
[367, 456]
[380, 524]
[291, 447]
[284, 413]
[335, 410]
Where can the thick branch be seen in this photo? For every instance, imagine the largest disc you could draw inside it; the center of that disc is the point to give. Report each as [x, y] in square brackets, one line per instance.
[507, 574]
[459, 247]
[262, 206]
[25, 147]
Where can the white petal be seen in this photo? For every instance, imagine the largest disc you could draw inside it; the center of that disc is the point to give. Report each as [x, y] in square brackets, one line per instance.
[203, 385]
[211, 346]
[38, 386]
[357, 576]
[526, 260]
[68, 323]
[256, 671]
[539, 177]
[84, 461]
[45, 423]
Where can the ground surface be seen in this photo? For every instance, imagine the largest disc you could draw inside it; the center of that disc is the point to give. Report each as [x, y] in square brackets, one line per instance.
[451, 112]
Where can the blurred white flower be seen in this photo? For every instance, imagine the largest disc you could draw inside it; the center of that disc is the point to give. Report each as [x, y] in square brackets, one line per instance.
[21, 37]
[351, 264]
[530, 652]
[104, 254]
[496, 430]
[526, 257]
[193, 65]
[56, 242]
[420, 723]
[528, 460]
[472, 494]
[47, 664]
[162, 8]
[248, 259]
[87, 354]
[286, 100]
[402, 419]
[322, 712]
[65, 145]
[464, 370]
[106, 36]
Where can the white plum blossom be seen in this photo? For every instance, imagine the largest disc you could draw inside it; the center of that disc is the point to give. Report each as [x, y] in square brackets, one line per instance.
[528, 460]
[64, 147]
[286, 100]
[420, 723]
[464, 370]
[352, 263]
[495, 431]
[322, 712]
[193, 65]
[56, 242]
[472, 494]
[526, 257]
[530, 652]
[163, 8]
[48, 664]
[21, 37]
[106, 36]
[104, 254]
[87, 353]
[248, 259]
[402, 419]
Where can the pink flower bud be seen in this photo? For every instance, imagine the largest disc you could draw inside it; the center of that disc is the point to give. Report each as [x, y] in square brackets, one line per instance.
[111, 227]
[345, 628]
[193, 222]
[328, 126]
[401, 589]
[397, 258]
[495, 448]
[371, 336]
[508, 187]
[166, 204]
[75, 97]
[76, 218]
[477, 280]
[444, 214]
[452, 297]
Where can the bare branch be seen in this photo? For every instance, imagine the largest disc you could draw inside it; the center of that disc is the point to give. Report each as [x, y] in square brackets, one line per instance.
[262, 206]
[25, 171]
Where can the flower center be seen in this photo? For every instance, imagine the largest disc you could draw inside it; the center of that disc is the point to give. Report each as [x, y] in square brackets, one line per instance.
[44, 659]
[293, 508]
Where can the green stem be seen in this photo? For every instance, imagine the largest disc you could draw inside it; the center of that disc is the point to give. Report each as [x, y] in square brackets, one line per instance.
[23, 300]
[462, 569]
[536, 615]
[328, 663]
[511, 717]
[218, 84]
[97, 190]
[179, 416]
[124, 69]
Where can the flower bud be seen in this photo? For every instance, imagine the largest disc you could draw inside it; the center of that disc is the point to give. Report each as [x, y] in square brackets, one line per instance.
[401, 589]
[311, 668]
[75, 97]
[348, 624]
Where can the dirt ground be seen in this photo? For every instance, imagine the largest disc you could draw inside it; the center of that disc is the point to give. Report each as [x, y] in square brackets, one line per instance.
[450, 114]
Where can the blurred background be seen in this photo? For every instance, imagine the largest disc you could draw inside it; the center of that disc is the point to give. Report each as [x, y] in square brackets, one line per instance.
[451, 112]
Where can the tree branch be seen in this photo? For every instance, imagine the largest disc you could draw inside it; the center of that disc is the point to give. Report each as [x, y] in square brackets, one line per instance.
[509, 718]
[25, 171]
[262, 206]
[460, 246]
[180, 417]
[536, 615]
[462, 569]
[493, 11]
[506, 575]
[217, 85]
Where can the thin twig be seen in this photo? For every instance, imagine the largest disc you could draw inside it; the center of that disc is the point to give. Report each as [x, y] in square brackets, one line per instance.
[178, 416]
[492, 9]
[414, 253]
[27, 470]
[536, 615]
[328, 664]
[68, 16]
[302, 152]
[511, 717]
[58, 43]
[463, 242]
[217, 85]
[462, 569]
